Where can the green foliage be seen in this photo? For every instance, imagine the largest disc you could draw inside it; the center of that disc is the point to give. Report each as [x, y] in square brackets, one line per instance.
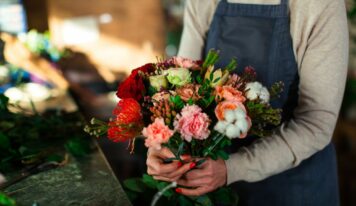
[232, 65]
[151, 91]
[135, 184]
[263, 115]
[28, 139]
[177, 101]
[211, 58]
[77, 146]
[6, 200]
[225, 196]
[276, 89]
[3, 102]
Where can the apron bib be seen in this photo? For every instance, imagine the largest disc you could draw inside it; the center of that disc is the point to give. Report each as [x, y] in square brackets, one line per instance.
[259, 36]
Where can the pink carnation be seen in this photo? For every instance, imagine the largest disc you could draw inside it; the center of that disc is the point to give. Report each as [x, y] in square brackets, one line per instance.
[192, 123]
[185, 63]
[156, 134]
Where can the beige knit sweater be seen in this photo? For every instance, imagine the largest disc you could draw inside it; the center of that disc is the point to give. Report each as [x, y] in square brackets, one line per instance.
[320, 40]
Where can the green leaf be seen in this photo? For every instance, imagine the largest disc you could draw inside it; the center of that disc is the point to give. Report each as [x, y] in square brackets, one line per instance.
[6, 201]
[4, 100]
[185, 201]
[149, 181]
[151, 91]
[55, 158]
[181, 149]
[211, 76]
[190, 101]
[216, 80]
[199, 79]
[135, 184]
[232, 65]
[4, 141]
[78, 146]
[162, 185]
[222, 154]
[203, 200]
[225, 196]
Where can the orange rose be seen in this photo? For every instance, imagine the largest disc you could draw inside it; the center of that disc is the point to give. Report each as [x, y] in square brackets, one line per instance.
[227, 105]
[229, 93]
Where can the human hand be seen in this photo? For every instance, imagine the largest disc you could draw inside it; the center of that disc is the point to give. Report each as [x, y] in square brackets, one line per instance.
[168, 172]
[211, 175]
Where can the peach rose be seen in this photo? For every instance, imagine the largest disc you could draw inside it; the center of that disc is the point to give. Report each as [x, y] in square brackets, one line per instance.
[227, 105]
[189, 91]
[156, 134]
[229, 93]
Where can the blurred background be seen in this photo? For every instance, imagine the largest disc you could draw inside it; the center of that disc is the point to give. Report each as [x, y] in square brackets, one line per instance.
[71, 55]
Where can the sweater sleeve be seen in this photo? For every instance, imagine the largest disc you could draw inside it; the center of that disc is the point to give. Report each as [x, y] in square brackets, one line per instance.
[197, 18]
[322, 72]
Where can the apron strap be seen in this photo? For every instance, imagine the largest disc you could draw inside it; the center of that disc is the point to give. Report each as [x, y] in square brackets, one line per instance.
[284, 2]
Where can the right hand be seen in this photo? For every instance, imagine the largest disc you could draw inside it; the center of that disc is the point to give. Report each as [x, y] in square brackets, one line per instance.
[168, 172]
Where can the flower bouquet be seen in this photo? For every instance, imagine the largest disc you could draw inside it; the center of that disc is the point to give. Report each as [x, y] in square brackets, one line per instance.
[191, 108]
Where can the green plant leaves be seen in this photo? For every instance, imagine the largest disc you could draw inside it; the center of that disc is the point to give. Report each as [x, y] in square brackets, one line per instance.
[177, 101]
[6, 200]
[3, 102]
[135, 184]
[78, 147]
[149, 181]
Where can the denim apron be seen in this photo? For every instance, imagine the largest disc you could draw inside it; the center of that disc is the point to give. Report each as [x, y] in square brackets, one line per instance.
[259, 36]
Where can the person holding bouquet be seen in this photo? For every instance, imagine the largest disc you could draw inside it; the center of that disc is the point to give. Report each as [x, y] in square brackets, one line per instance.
[302, 43]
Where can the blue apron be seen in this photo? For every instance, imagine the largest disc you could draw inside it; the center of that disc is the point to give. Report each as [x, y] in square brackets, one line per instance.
[259, 36]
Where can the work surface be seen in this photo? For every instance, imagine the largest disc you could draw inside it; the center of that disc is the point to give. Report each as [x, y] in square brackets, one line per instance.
[86, 181]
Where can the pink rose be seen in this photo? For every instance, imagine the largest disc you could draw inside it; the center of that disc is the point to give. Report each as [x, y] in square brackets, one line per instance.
[156, 134]
[229, 93]
[192, 123]
[186, 63]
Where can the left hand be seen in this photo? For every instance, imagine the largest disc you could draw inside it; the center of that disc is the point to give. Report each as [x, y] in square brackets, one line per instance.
[209, 176]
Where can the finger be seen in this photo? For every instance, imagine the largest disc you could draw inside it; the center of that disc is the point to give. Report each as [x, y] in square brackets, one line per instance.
[197, 174]
[186, 158]
[162, 153]
[194, 182]
[158, 168]
[177, 173]
[157, 177]
[194, 192]
[165, 153]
